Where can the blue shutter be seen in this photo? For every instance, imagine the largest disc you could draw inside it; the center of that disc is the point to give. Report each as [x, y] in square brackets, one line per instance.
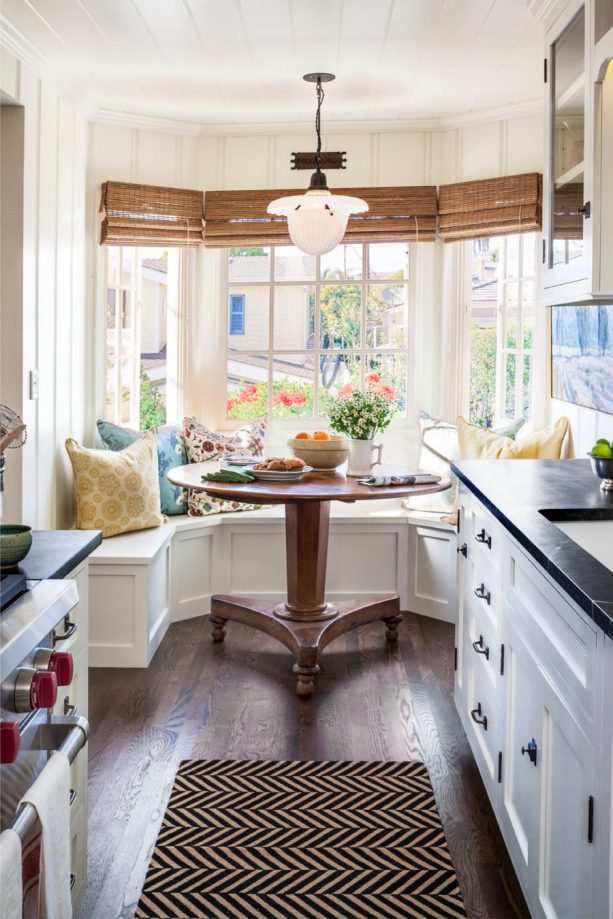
[237, 314]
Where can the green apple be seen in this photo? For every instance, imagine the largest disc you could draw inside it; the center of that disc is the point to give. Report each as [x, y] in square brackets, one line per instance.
[602, 450]
[603, 440]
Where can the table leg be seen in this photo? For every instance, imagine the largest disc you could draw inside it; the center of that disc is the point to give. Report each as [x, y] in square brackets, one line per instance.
[307, 526]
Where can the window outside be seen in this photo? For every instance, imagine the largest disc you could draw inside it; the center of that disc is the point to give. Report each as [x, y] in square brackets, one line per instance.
[137, 285]
[502, 310]
[302, 328]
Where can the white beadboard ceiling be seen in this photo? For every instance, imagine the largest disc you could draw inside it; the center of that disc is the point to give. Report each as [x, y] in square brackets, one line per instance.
[232, 62]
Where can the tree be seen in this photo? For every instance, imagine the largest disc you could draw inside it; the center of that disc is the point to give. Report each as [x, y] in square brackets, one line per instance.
[248, 250]
[152, 406]
[482, 375]
[341, 313]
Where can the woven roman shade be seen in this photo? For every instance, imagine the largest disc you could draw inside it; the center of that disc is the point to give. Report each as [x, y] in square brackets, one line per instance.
[150, 215]
[239, 218]
[567, 218]
[490, 207]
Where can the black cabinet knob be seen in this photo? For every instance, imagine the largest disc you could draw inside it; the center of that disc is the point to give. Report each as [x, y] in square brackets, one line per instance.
[531, 750]
[463, 549]
[483, 537]
[480, 648]
[482, 593]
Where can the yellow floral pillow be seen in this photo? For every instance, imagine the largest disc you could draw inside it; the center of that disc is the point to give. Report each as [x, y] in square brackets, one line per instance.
[117, 492]
[476, 442]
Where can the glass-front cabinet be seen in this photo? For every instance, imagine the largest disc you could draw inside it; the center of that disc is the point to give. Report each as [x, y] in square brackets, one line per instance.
[578, 170]
[567, 132]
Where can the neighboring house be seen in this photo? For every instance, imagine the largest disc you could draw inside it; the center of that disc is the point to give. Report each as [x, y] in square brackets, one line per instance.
[154, 307]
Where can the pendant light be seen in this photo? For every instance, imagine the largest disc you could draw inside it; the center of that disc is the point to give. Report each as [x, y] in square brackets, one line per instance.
[317, 220]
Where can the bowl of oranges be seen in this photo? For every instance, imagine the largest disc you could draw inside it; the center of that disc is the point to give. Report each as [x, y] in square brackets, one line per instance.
[321, 450]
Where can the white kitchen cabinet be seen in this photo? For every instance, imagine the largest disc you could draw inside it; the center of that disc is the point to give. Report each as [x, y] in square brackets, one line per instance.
[541, 687]
[578, 175]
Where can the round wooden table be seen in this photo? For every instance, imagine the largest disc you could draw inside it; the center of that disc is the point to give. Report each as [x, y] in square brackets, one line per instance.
[305, 623]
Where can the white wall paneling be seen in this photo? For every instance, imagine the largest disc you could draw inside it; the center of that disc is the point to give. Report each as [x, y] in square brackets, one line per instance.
[52, 307]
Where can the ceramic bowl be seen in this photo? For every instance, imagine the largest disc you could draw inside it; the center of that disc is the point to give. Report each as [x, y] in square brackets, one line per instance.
[15, 543]
[603, 468]
[322, 455]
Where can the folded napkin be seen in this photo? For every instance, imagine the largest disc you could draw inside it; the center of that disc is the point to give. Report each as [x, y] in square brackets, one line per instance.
[229, 474]
[419, 479]
[10, 875]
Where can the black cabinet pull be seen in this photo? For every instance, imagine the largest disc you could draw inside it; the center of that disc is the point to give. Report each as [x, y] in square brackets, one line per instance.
[531, 750]
[483, 537]
[478, 717]
[480, 648]
[462, 550]
[483, 594]
[71, 628]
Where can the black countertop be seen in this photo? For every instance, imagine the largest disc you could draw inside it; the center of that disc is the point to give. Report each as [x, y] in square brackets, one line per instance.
[523, 494]
[55, 553]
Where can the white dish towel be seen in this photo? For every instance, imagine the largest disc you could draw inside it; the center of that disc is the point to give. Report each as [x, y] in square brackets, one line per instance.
[10, 876]
[50, 795]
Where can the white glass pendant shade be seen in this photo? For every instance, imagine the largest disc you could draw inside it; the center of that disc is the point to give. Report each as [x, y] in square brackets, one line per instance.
[317, 220]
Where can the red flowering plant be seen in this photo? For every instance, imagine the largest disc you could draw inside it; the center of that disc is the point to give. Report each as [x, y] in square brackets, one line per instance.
[289, 399]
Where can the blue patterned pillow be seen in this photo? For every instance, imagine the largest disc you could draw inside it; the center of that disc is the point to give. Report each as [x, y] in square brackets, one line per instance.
[171, 453]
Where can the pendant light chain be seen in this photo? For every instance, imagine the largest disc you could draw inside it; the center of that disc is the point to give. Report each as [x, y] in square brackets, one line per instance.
[320, 99]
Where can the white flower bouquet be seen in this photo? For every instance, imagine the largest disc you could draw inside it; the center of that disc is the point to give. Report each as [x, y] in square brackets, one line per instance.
[360, 415]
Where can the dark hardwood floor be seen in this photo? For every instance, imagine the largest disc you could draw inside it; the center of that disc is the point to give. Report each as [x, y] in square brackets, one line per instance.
[236, 700]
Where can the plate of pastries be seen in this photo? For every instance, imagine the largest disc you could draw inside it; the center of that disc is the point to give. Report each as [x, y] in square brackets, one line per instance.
[280, 469]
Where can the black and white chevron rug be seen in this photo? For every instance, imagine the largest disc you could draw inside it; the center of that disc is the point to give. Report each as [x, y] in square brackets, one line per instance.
[301, 840]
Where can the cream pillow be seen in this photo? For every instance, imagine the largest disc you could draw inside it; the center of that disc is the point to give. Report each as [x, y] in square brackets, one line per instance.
[117, 492]
[476, 442]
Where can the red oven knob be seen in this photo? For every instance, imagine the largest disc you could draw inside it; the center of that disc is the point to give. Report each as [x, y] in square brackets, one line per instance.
[9, 741]
[35, 689]
[59, 662]
[43, 689]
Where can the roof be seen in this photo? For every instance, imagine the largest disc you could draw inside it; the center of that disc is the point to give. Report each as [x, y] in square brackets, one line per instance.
[156, 264]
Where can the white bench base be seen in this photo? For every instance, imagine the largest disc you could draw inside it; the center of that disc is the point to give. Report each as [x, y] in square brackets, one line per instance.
[141, 582]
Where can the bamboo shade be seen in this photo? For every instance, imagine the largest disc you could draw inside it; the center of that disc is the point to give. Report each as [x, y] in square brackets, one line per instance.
[490, 207]
[150, 215]
[239, 218]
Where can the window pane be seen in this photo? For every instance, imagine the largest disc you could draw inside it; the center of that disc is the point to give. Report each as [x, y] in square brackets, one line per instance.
[293, 265]
[386, 316]
[341, 315]
[527, 387]
[343, 263]
[126, 392]
[512, 264]
[389, 370]
[249, 264]
[294, 317]
[388, 260]
[256, 308]
[337, 372]
[528, 255]
[112, 266]
[509, 398]
[247, 386]
[111, 390]
[127, 267]
[153, 335]
[511, 294]
[293, 386]
[527, 312]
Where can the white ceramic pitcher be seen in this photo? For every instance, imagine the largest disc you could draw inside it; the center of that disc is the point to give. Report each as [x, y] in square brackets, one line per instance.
[361, 456]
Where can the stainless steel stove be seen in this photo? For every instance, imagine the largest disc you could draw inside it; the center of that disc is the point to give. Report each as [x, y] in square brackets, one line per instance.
[34, 624]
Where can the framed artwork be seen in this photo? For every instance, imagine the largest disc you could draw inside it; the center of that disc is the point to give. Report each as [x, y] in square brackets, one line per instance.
[582, 355]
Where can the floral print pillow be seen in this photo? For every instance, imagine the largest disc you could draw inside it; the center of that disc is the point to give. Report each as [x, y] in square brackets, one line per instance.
[203, 445]
[171, 453]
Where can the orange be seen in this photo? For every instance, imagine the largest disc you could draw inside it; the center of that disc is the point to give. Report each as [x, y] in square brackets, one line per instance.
[302, 435]
[321, 435]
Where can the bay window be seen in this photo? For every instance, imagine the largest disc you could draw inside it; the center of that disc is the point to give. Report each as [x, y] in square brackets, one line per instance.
[502, 318]
[141, 296]
[301, 328]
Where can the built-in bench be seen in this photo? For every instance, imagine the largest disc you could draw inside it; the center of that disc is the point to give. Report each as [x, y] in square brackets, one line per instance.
[141, 582]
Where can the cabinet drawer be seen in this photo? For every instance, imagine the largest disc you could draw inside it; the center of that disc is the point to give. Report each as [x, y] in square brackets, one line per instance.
[483, 735]
[564, 644]
[485, 535]
[482, 586]
[482, 645]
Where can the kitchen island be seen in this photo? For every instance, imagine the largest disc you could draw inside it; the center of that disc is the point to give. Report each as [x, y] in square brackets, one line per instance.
[535, 670]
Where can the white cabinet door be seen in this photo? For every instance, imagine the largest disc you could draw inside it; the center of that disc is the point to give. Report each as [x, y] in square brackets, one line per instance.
[565, 890]
[521, 771]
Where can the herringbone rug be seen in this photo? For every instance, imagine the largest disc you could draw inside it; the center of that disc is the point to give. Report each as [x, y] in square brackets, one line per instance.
[292, 840]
